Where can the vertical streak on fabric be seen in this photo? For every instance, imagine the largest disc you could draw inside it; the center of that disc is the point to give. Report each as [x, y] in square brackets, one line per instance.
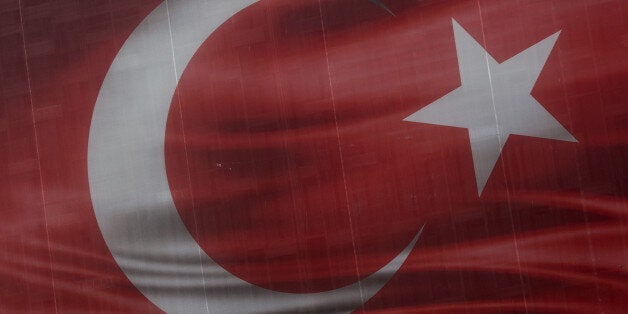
[582, 196]
[187, 160]
[342, 164]
[37, 154]
[501, 160]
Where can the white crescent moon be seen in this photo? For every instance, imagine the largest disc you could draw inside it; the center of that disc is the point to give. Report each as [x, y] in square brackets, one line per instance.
[129, 187]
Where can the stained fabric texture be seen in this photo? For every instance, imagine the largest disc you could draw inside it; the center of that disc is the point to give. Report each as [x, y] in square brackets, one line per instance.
[314, 156]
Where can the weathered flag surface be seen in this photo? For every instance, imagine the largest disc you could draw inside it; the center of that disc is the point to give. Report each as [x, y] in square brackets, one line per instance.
[313, 156]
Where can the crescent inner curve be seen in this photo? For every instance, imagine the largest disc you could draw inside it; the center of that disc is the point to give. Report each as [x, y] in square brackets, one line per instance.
[129, 187]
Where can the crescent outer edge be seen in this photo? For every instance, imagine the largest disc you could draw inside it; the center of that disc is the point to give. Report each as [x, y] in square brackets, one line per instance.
[129, 187]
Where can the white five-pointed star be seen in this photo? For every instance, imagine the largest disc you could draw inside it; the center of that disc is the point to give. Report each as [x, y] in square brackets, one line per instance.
[494, 101]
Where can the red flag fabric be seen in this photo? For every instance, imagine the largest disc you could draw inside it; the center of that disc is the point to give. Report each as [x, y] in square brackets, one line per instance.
[313, 156]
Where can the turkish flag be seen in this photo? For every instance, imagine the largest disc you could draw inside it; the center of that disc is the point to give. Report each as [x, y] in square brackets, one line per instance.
[397, 156]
